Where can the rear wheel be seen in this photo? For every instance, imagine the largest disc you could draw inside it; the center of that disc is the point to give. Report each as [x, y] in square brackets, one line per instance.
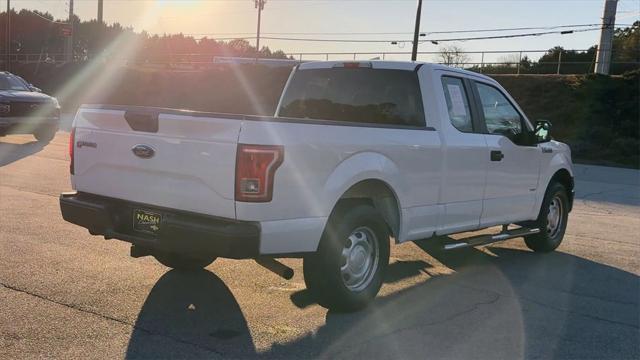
[346, 272]
[552, 220]
[45, 134]
[183, 262]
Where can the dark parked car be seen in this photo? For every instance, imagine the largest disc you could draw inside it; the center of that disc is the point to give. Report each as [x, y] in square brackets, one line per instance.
[24, 109]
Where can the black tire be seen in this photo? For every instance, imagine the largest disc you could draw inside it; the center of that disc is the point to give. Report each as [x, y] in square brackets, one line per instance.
[322, 269]
[183, 262]
[550, 237]
[45, 135]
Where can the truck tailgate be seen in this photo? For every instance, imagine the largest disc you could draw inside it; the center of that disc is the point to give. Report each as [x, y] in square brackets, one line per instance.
[191, 164]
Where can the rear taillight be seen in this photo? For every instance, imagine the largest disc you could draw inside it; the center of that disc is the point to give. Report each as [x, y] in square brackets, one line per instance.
[72, 138]
[256, 166]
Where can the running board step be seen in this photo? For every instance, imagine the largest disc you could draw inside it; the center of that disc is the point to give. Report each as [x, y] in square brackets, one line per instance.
[489, 239]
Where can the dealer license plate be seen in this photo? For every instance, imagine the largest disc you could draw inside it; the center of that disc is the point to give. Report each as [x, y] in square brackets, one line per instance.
[146, 221]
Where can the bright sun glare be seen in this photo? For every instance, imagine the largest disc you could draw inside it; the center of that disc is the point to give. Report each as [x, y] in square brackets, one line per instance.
[181, 3]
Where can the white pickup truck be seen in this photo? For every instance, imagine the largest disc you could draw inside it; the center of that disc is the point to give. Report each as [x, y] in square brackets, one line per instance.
[357, 154]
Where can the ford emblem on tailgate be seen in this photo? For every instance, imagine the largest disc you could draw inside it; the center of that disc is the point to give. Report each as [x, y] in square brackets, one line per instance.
[143, 151]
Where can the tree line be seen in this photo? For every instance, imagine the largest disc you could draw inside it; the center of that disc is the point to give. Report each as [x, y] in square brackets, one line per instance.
[625, 57]
[34, 32]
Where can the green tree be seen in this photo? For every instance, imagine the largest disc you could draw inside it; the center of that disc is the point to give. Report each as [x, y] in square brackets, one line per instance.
[626, 49]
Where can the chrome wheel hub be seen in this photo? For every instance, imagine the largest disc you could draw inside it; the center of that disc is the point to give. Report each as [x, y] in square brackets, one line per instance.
[359, 259]
[554, 217]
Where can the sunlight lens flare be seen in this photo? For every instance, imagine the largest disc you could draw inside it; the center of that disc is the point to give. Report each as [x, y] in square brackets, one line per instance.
[104, 72]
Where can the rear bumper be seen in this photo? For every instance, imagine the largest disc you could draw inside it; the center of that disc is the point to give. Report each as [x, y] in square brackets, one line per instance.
[180, 232]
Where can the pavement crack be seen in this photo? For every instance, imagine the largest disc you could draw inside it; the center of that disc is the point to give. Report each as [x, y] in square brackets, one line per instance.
[548, 306]
[111, 318]
[593, 317]
[586, 201]
[473, 307]
[582, 236]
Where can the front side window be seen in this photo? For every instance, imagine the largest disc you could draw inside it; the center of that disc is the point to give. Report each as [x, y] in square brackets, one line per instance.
[457, 103]
[364, 95]
[499, 115]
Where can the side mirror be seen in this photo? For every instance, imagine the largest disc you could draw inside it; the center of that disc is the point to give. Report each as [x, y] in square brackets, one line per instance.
[542, 131]
[33, 88]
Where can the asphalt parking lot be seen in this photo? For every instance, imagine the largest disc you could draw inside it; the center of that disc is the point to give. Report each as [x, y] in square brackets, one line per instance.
[66, 294]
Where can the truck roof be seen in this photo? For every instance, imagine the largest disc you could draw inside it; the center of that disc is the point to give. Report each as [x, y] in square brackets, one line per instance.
[384, 64]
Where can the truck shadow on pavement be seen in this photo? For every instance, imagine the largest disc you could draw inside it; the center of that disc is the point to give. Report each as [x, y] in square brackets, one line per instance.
[192, 315]
[10, 152]
[504, 303]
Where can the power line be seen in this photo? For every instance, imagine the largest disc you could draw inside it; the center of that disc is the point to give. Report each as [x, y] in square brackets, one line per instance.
[563, 32]
[512, 29]
[46, 18]
[405, 40]
[423, 33]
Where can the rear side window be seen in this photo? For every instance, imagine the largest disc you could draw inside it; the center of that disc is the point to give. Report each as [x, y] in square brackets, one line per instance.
[457, 103]
[364, 95]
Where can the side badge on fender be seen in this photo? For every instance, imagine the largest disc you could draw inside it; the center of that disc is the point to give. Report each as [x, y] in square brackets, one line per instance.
[143, 151]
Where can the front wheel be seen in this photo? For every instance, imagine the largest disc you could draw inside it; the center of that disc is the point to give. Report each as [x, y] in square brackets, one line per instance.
[183, 262]
[552, 220]
[346, 272]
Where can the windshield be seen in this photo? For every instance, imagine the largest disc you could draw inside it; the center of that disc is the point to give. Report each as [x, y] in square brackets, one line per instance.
[355, 95]
[11, 82]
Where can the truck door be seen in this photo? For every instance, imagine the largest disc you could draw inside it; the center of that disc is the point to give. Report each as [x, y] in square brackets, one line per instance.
[464, 163]
[513, 165]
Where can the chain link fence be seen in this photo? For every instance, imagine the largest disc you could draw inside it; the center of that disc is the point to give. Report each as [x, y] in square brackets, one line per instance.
[554, 61]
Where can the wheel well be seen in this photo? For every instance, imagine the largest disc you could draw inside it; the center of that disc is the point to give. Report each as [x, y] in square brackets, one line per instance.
[379, 194]
[564, 177]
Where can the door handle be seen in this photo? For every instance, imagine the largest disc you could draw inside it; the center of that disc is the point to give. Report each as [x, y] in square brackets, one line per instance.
[496, 155]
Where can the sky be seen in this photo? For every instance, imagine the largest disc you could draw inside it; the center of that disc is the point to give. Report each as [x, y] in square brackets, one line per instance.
[347, 18]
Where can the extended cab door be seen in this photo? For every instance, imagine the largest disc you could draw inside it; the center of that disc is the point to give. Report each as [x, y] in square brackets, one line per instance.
[513, 165]
[464, 151]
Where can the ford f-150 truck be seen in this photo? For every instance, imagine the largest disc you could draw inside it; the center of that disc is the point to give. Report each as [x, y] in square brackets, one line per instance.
[358, 154]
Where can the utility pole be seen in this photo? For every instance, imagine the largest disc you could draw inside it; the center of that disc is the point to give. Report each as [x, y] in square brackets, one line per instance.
[416, 33]
[100, 11]
[69, 44]
[603, 57]
[260, 7]
[7, 43]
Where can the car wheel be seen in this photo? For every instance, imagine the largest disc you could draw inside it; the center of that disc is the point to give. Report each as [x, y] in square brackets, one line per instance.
[183, 262]
[45, 135]
[552, 220]
[346, 272]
